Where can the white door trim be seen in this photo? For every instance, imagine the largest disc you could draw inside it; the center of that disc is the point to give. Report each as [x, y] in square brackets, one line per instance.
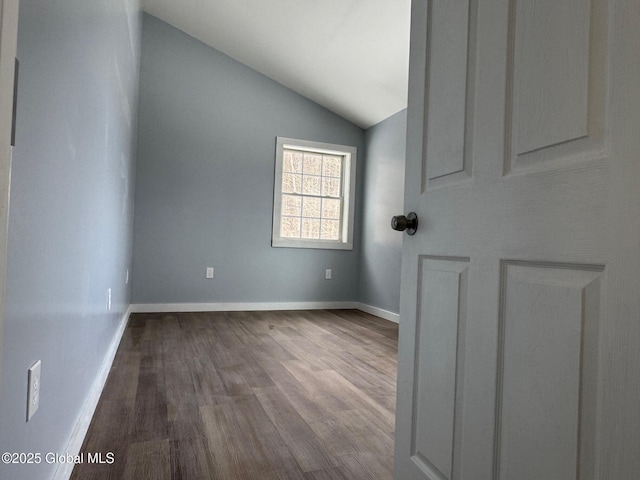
[8, 44]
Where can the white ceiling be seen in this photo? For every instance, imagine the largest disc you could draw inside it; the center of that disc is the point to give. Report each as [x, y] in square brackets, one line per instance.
[351, 56]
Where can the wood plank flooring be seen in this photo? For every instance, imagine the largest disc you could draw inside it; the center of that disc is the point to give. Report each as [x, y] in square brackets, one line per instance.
[305, 395]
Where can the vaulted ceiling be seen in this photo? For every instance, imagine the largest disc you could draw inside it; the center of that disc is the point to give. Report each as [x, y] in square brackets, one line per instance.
[351, 56]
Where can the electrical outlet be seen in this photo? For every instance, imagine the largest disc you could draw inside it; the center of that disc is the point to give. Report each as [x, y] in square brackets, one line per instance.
[33, 389]
[327, 274]
[108, 300]
[209, 272]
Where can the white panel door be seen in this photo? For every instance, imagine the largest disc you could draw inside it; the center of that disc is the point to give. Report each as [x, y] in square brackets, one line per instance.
[519, 348]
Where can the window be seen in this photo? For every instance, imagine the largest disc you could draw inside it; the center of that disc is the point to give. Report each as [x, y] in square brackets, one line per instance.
[313, 197]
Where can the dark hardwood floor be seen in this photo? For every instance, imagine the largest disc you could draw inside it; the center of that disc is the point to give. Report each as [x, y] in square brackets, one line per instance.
[305, 395]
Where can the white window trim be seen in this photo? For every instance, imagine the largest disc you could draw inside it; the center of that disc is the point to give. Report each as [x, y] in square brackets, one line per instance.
[349, 186]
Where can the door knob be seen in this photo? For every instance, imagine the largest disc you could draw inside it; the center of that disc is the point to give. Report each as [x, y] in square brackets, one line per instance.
[408, 223]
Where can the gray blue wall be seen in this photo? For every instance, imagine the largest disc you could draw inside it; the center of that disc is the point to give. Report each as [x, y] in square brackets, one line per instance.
[205, 172]
[71, 213]
[381, 247]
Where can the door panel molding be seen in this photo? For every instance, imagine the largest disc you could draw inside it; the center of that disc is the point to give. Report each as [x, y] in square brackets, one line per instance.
[557, 95]
[546, 381]
[448, 153]
[438, 364]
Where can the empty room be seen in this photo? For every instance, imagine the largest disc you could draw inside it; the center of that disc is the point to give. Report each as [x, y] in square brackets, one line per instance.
[339, 240]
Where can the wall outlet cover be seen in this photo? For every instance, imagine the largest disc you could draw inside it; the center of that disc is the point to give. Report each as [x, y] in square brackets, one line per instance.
[33, 389]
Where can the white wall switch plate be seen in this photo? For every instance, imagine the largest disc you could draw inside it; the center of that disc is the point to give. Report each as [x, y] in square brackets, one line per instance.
[209, 272]
[33, 389]
[108, 300]
[327, 274]
[126, 280]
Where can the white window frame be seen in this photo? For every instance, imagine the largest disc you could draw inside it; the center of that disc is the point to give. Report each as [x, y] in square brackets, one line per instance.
[348, 194]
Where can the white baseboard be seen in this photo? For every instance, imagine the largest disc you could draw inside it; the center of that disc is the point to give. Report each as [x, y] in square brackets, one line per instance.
[238, 307]
[64, 470]
[261, 306]
[379, 312]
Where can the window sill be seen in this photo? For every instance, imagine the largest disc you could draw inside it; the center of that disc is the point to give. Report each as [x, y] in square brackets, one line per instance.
[314, 244]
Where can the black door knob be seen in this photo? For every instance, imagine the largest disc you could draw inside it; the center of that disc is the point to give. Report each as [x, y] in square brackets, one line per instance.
[408, 223]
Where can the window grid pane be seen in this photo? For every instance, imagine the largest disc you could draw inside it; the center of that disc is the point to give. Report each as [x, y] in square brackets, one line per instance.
[290, 227]
[311, 185]
[331, 166]
[330, 230]
[312, 196]
[312, 164]
[310, 228]
[330, 187]
[331, 208]
[311, 207]
[292, 161]
[291, 183]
